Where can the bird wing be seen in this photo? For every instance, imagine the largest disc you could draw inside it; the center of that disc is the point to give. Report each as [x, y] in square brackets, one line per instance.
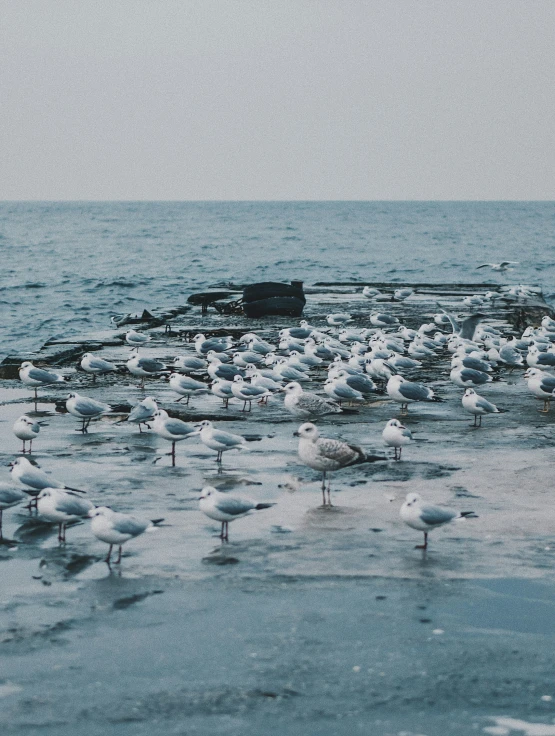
[150, 365]
[341, 452]
[90, 407]
[139, 412]
[226, 438]
[73, 506]
[435, 515]
[485, 265]
[469, 374]
[547, 384]
[314, 404]
[234, 506]
[128, 525]
[38, 374]
[482, 403]
[468, 326]
[414, 391]
[454, 324]
[99, 364]
[176, 426]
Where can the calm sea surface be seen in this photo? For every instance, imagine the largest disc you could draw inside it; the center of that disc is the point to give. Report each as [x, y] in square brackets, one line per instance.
[67, 267]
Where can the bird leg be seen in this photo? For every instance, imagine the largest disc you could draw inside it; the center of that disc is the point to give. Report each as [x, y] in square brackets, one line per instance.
[1, 535]
[226, 403]
[479, 420]
[173, 454]
[546, 406]
[404, 410]
[61, 535]
[94, 378]
[400, 451]
[425, 545]
[329, 493]
[219, 456]
[107, 560]
[324, 488]
[30, 446]
[119, 556]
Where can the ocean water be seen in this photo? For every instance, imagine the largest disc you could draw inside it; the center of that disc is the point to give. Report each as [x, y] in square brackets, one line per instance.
[68, 266]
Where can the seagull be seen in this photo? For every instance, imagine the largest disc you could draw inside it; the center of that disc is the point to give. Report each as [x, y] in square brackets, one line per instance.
[170, 429]
[187, 386]
[35, 377]
[338, 319]
[136, 339]
[26, 429]
[85, 409]
[465, 377]
[402, 294]
[144, 367]
[383, 320]
[142, 412]
[114, 527]
[248, 393]
[503, 266]
[467, 327]
[396, 435]
[225, 507]
[304, 404]
[97, 366]
[62, 507]
[370, 292]
[222, 389]
[538, 359]
[475, 404]
[327, 455]
[426, 518]
[219, 344]
[339, 390]
[217, 369]
[218, 440]
[9, 497]
[188, 364]
[542, 385]
[34, 478]
[406, 392]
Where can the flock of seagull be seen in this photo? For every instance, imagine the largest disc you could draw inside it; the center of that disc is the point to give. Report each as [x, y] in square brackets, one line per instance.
[357, 364]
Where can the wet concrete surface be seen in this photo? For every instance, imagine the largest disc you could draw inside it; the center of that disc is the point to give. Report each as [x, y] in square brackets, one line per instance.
[310, 620]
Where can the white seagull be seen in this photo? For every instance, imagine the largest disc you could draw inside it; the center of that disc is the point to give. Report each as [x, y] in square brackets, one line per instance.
[136, 339]
[475, 404]
[62, 507]
[26, 429]
[143, 412]
[187, 387]
[503, 266]
[144, 367]
[35, 377]
[396, 435]
[225, 507]
[173, 430]
[406, 392]
[86, 409]
[218, 440]
[23, 471]
[427, 517]
[114, 527]
[97, 366]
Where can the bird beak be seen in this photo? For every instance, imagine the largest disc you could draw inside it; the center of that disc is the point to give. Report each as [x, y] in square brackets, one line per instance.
[296, 434]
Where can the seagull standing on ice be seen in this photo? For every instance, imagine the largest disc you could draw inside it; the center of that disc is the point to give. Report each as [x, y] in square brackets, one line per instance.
[396, 435]
[116, 528]
[425, 518]
[225, 507]
[97, 366]
[35, 377]
[26, 429]
[406, 392]
[327, 455]
[218, 440]
[173, 430]
[86, 409]
[62, 507]
[475, 404]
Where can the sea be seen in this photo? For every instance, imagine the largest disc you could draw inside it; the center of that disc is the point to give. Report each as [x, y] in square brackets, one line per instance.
[67, 267]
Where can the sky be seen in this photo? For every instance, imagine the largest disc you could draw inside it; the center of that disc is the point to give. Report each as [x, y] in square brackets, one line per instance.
[277, 99]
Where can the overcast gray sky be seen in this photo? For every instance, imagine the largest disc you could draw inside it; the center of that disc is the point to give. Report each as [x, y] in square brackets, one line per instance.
[277, 99]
